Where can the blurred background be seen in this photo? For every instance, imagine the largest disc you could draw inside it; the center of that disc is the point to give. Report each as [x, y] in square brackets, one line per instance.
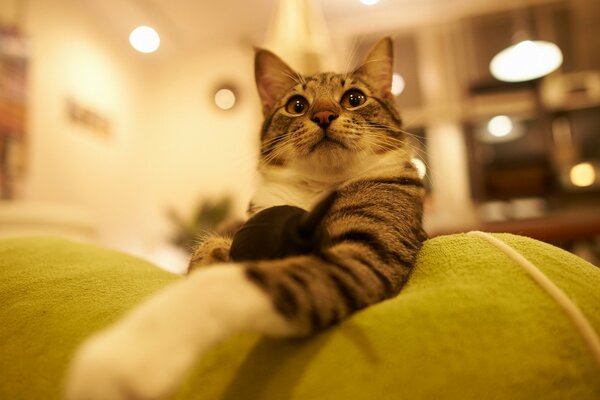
[138, 139]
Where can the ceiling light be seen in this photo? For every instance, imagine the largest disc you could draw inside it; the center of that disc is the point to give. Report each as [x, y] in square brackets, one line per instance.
[225, 99]
[398, 84]
[500, 126]
[525, 61]
[144, 39]
[583, 174]
[369, 2]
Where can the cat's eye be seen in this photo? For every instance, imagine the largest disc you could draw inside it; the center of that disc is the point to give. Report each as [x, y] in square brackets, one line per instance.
[297, 105]
[353, 98]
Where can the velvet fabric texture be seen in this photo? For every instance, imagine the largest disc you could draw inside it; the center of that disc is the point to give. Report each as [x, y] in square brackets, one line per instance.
[470, 324]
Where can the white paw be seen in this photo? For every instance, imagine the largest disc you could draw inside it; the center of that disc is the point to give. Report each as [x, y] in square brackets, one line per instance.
[99, 374]
[112, 366]
[148, 352]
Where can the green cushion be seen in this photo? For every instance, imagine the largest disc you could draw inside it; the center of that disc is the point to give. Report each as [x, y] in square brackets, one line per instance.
[470, 324]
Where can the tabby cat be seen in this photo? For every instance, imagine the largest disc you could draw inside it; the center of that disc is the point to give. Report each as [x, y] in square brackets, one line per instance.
[322, 132]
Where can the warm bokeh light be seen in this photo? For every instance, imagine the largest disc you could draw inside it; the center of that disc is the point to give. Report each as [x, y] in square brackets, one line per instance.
[225, 99]
[583, 174]
[421, 167]
[398, 84]
[144, 39]
[500, 126]
[525, 61]
[369, 2]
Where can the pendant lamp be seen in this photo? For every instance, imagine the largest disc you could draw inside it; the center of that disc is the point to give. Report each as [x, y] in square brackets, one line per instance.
[298, 35]
[526, 59]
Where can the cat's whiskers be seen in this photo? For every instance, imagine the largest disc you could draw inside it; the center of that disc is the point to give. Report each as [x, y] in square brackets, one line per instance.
[411, 151]
[412, 137]
[382, 126]
[277, 152]
[407, 143]
[298, 78]
[378, 139]
[375, 146]
[374, 60]
[397, 141]
[351, 59]
[272, 142]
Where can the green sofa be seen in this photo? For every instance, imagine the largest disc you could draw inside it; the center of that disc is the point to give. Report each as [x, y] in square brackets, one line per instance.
[470, 324]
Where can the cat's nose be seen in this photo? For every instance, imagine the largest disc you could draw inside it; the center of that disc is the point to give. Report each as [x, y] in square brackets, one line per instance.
[324, 118]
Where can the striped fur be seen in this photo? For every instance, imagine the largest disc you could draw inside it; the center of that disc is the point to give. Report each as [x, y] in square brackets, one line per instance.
[375, 239]
[375, 224]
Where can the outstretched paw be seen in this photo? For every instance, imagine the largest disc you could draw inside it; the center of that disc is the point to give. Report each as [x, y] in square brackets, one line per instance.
[112, 366]
[97, 373]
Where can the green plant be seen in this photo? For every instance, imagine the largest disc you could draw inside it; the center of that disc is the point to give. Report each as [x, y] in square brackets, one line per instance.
[207, 217]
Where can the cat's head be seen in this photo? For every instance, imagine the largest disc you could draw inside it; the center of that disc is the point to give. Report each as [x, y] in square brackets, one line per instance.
[327, 121]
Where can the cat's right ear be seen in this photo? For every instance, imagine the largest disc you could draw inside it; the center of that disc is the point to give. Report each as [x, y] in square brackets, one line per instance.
[273, 78]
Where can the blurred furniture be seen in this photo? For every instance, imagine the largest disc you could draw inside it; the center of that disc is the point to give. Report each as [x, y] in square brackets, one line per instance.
[577, 231]
[554, 228]
[21, 218]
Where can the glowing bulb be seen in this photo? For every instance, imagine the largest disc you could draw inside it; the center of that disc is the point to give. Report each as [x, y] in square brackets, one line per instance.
[225, 99]
[144, 39]
[398, 84]
[525, 61]
[583, 174]
[421, 167]
[500, 126]
[369, 2]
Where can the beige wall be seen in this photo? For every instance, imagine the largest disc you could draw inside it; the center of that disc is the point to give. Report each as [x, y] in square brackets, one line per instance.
[193, 149]
[169, 146]
[72, 58]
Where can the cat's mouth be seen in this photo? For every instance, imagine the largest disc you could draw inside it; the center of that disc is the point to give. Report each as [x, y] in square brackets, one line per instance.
[327, 142]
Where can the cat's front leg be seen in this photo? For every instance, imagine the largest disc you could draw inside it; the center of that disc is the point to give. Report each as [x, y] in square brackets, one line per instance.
[213, 250]
[147, 353]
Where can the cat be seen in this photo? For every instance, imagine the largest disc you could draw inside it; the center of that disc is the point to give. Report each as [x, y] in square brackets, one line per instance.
[320, 133]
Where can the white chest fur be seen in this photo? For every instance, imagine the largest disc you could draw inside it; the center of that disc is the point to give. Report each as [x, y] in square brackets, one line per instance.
[294, 192]
[295, 187]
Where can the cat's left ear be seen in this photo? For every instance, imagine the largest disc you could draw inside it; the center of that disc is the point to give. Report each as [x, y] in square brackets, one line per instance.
[273, 78]
[377, 68]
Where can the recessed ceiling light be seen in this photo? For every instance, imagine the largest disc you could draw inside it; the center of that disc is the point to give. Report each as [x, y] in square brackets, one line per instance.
[144, 39]
[500, 126]
[398, 84]
[225, 98]
[369, 2]
[526, 60]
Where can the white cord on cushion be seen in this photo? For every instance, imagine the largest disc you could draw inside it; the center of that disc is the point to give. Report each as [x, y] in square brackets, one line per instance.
[573, 312]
